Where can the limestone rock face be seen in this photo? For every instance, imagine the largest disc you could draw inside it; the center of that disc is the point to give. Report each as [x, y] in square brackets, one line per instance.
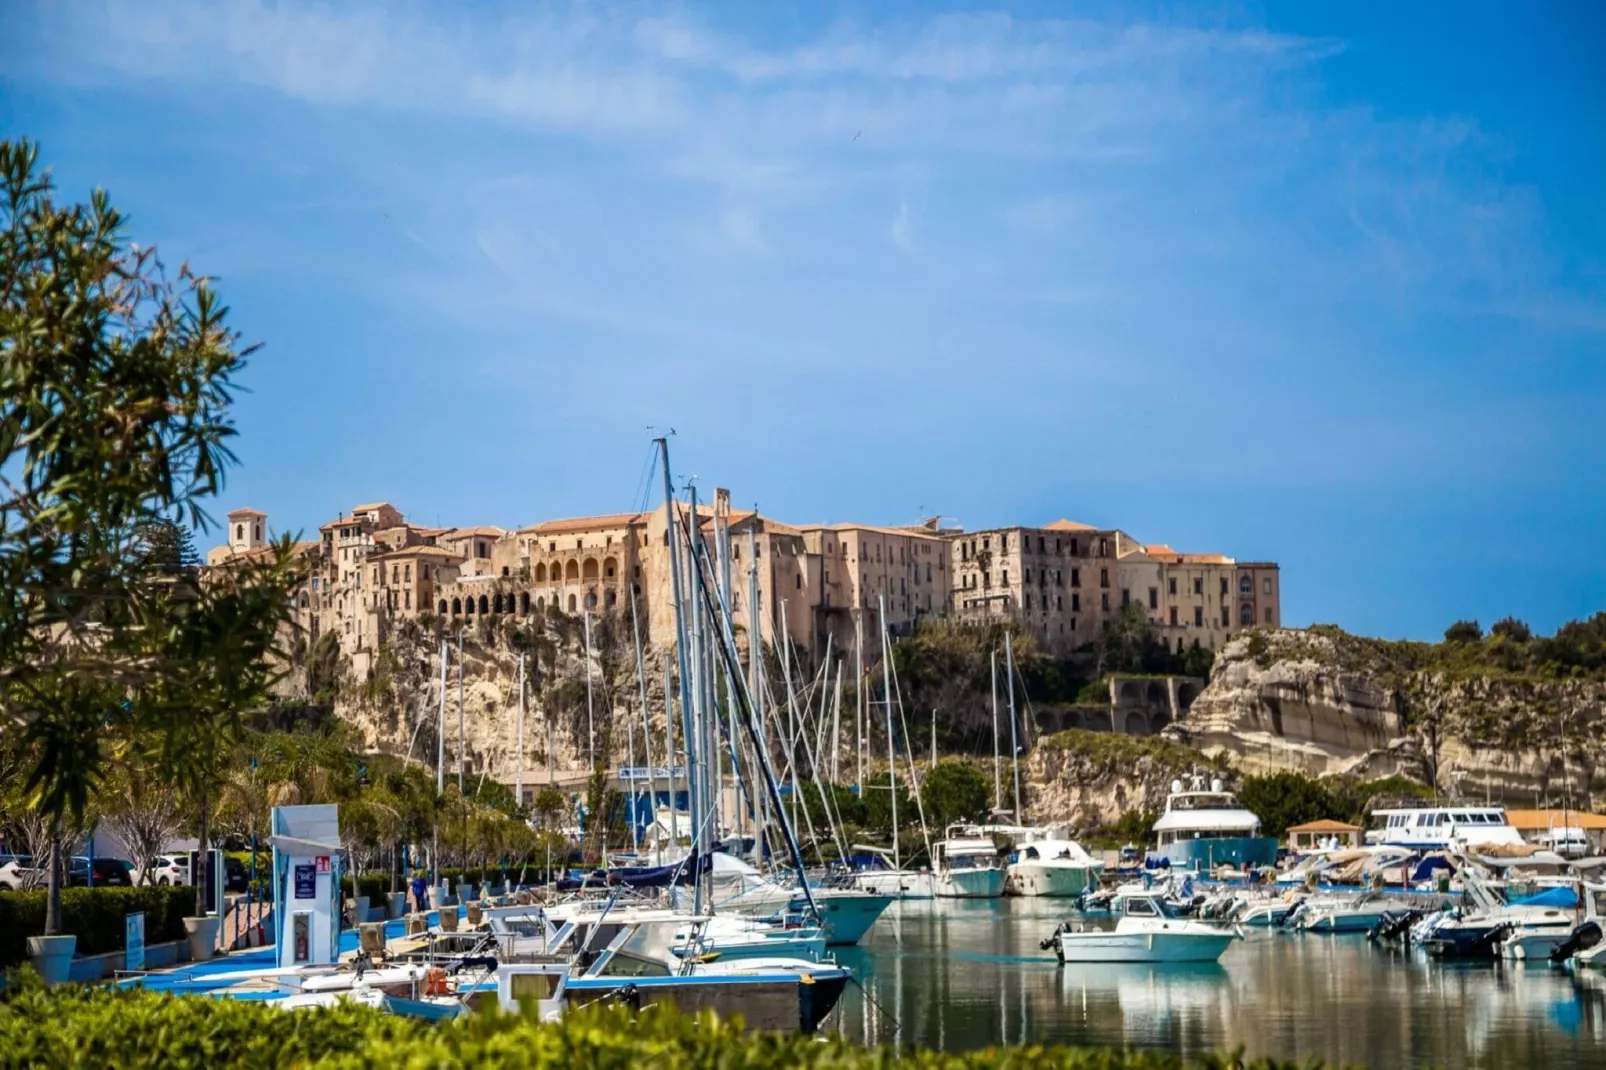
[1105, 778]
[1299, 700]
[1285, 706]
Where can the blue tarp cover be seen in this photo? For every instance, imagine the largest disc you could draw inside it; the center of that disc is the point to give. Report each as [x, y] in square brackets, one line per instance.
[1559, 897]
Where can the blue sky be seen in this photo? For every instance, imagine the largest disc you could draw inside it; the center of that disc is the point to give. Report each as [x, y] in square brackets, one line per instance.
[1319, 283]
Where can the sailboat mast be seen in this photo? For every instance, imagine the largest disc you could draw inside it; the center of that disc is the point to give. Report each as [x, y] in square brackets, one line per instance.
[886, 699]
[998, 779]
[462, 736]
[685, 668]
[591, 727]
[646, 723]
[858, 700]
[440, 772]
[518, 772]
[1014, 746]
[791, 710]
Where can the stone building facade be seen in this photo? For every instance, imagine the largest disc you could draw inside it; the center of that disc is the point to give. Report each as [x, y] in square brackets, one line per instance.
[816, 585]
[1055, 580]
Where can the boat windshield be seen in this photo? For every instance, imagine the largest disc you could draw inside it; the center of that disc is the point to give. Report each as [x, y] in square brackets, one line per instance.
[1204, 801]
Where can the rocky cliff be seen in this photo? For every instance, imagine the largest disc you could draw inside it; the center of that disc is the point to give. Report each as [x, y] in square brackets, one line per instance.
[394, 702]
[1324, 702]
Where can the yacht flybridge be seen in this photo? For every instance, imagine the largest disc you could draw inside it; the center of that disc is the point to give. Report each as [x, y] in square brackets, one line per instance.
[1206, 828]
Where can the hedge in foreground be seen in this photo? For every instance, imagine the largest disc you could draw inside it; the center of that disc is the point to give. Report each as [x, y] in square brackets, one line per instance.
[95, 916]
[78, 1027]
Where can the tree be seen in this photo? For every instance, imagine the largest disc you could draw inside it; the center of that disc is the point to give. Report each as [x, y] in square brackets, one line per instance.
[115, 383]
[1284, 799]
[224, 657]
[1512, 630]
[1464, 631]
[144, 814]
[955, 791]
[549, 805]
[166, 548]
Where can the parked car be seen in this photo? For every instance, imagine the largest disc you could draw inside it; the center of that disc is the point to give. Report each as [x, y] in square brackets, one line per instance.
[168, 869]
[236, 878]
[109, 873]
[17, 872]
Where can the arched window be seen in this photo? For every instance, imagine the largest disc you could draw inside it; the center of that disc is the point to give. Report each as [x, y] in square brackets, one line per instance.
[590, 571]
[468, 604]
[571, 571]
[524, 602]
[540, 602]
[613, 596]
[540, 573]
[591, 599]
[443, 607]
[1246, 615]
[457, 606]
[484, 607]
[610, 568]
[496, 604]
[504, 570]
[1246, 585]
[571, 599]
[239, 532]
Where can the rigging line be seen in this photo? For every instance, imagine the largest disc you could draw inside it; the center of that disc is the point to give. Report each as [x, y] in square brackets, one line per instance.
[644, 485]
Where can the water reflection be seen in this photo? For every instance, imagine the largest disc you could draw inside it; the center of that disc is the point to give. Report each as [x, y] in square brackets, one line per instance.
[959, 975]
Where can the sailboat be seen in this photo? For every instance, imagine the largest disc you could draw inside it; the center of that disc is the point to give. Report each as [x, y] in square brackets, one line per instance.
[886, 875]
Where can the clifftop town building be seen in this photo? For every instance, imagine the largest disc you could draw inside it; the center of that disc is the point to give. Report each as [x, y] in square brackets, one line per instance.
[807, 586]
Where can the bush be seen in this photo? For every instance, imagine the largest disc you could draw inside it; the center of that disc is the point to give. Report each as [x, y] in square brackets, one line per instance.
[72, 1027]
[95, 916]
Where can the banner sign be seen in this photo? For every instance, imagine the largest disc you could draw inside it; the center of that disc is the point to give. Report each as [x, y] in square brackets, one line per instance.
[134, 941]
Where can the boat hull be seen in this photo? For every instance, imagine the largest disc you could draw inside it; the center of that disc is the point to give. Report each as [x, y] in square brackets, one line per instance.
[847, 918]
[1051, 881]
[782, 1004]
[1155, 947]
[897, 883]
[977, 883]
[1241, 852]
[844, 917]
[1344, 922]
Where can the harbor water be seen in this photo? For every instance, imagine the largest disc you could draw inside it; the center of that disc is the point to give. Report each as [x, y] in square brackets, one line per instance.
[957, 975]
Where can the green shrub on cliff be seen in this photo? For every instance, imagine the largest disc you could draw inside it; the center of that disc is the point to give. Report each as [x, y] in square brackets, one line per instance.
[1577, 650]
[77, 1027]
[1113, 751]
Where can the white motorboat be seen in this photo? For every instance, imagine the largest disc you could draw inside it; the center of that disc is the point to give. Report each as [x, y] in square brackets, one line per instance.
[1047, 862]
[897, 883]
[1431, 828]
[1145, 933]
[1203, 830]
[712, 937]
[846, 914]
[968, 867]
[1339, 914]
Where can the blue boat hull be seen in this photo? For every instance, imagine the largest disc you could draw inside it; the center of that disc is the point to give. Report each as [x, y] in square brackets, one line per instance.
[1204, 855]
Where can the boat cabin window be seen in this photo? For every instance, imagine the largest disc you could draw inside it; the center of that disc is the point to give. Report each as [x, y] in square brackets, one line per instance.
[1140, 908]
[626, 965]
[543, 985]
[1031, 852]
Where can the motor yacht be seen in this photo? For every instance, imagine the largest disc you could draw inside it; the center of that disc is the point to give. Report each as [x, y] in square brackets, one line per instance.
[1145, 933]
